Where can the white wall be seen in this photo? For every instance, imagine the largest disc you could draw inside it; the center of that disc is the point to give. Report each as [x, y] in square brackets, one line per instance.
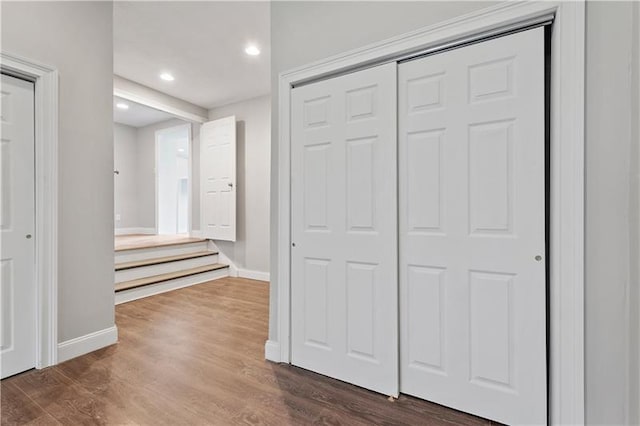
[251, 250]
[76, 38]
[610, 283]
[299, 36]
[634, 294]
[125, 157]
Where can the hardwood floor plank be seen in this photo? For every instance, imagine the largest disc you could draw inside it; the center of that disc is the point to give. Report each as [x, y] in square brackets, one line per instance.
[65, 400]
[196, 356]
[141, 403]
[19, 409]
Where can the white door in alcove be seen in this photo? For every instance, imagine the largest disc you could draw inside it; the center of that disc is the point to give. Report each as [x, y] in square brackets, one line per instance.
[472, 228]
[17, 225]
[344, 313]
[218, 179]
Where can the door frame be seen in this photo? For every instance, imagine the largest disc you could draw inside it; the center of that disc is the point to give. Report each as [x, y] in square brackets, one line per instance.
[190, 173]
[566, 355]
[45, 79]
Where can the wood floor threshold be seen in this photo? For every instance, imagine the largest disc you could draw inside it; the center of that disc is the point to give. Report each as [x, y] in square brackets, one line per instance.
[161, 244]
[160, 260]
[168, 276]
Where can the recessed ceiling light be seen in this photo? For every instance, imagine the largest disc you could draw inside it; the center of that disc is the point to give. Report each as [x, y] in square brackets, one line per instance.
[252, 50]
[122, 105]
[180, 149]
[166, 76]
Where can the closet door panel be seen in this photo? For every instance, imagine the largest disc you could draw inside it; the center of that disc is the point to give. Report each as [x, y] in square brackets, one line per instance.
[344, 281]
[472, 228]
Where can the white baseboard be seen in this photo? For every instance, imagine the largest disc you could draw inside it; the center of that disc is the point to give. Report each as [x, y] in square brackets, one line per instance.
[272, 351]
[195, 233]
[163, 287]
[253, 275]
[88, 343]
[126, 231]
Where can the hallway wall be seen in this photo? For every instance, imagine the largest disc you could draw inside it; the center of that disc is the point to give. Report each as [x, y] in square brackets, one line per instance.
[77, 39]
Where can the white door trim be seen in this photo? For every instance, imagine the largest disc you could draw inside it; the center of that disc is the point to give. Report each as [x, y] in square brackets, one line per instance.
[189, 165]
[46, 169]
[566, 348]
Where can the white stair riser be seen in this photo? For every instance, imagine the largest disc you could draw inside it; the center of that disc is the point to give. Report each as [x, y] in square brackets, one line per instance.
[155, 252]
[163, 268]
[163, 287]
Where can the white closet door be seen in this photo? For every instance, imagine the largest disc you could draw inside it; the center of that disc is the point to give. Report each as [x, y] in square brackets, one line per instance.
[344, 283]
[472, 228]
[17, 222]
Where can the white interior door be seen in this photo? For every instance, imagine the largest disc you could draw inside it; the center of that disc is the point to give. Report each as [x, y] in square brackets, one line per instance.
[17, 222]
[218, 179]
[472, 228]
[344, 227]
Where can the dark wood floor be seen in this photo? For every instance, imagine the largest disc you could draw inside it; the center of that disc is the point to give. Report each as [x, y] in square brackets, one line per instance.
[195, 356]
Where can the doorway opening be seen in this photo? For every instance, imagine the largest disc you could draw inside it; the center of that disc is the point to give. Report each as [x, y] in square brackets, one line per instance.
[173, 177]
[152, 171]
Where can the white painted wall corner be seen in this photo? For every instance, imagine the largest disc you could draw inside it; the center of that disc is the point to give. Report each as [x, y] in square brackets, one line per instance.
[88, 343]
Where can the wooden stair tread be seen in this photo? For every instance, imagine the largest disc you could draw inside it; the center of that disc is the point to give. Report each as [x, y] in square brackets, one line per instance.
[125, 285]
[165, 259]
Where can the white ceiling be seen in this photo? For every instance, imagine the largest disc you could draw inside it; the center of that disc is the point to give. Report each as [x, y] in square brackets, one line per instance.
[137, 115]
[201, 43]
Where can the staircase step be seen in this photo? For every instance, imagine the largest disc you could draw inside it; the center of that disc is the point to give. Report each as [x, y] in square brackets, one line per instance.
[163, 268]
[164, 259]
[125, 256]
[154, 241]
[168, 276]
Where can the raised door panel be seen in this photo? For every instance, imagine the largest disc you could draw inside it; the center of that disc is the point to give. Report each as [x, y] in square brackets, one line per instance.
[491, 177]
[317, 305]
[362, 327]
[424, 174]
[491, 309]
[316, 186]
[426, 319]
[7, 298]
[361, 188]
